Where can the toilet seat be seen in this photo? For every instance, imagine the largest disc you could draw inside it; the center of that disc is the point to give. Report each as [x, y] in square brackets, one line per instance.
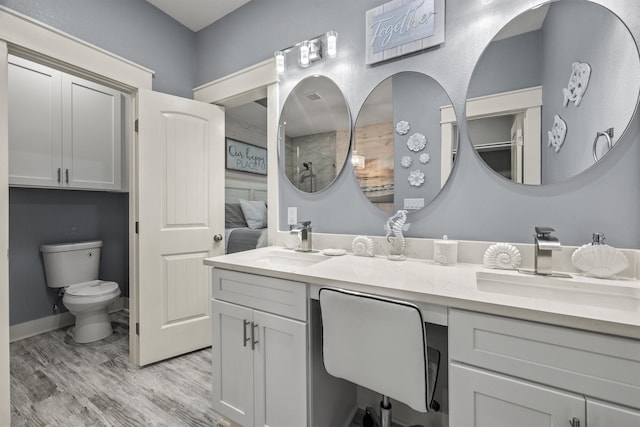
[93, 289]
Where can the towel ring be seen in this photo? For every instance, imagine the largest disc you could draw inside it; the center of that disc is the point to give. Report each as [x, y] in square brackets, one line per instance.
[607, 134]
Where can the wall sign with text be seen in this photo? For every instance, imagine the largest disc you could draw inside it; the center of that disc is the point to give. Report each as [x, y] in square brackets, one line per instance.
[400, 27]
[246, 157]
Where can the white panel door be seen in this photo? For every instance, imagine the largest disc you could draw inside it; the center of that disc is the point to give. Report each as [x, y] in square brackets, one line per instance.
[603, 414]
[35, 134]
[92, 135]
[280, 371]
[232, 362]
[483, 399]
[180, 187]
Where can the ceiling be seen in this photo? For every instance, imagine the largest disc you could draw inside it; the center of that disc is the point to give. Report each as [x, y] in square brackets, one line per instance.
[197, 14]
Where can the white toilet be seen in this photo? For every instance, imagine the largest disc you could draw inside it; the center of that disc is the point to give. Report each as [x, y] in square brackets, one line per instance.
[74, 266]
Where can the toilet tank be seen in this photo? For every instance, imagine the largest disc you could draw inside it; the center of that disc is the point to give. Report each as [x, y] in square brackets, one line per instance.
[66, 264]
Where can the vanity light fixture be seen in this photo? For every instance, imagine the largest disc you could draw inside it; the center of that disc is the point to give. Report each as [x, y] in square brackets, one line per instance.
[309, 51]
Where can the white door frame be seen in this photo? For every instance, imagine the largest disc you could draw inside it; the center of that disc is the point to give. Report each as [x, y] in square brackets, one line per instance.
[244, 86]
[31, 39]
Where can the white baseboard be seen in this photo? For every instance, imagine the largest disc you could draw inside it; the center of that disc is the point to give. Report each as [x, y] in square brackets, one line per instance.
[51, 323]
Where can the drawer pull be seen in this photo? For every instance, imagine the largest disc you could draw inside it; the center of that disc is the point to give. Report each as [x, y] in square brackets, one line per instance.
[59, 171]
[255, 341]
[574, 422]
[66, 174]
[245, 339]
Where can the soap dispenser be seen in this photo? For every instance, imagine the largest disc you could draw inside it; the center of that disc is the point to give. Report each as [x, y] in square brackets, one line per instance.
[598, 259]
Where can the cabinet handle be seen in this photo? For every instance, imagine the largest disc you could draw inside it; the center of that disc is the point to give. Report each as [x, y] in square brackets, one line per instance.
[574, 422]
[255, 341]
[59, 172]
[245, 339]
[66, 175]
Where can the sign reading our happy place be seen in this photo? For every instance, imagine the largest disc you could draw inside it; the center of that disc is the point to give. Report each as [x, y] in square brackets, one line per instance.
[400, 27]
[246, 157]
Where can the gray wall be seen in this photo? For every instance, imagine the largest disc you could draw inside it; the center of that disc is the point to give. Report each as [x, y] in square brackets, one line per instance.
[133, 29]
[37, 217]
[476, 204]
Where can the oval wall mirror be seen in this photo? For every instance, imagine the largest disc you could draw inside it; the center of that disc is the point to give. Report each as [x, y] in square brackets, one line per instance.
[402, 157]
[553, 92]
[315, 134]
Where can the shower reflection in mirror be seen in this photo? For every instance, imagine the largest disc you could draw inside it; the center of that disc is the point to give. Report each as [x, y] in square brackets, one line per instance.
[314, 134]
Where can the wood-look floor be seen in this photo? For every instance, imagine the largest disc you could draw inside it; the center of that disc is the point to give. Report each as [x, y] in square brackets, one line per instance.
[57, 382]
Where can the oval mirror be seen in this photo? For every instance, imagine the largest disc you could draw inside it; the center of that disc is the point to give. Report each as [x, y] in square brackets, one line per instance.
[553, 92]
[315, 134]
[402, 157]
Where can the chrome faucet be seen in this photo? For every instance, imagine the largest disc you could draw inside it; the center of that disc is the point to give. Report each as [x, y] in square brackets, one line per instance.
[305, 237]
[545, 245]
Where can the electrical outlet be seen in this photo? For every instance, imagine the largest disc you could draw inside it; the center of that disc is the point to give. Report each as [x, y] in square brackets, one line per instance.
[413, 204]
[292, 215]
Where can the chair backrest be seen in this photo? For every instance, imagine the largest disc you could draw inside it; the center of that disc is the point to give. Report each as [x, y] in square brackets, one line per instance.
[378, 343]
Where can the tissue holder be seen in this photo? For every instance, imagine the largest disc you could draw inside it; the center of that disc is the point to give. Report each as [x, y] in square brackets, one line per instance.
[445, 251]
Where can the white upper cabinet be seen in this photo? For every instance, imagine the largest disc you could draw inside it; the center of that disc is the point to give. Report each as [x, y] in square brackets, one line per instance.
[64, 131]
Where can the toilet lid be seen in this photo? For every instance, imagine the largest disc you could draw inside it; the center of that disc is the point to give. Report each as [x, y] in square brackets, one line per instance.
[95, 288]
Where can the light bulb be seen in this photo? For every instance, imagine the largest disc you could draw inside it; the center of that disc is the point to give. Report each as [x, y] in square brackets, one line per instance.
[304, 54]
[332, 43]
[279, 61]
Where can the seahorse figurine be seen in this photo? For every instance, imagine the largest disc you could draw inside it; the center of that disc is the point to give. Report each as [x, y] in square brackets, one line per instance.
[394, 227]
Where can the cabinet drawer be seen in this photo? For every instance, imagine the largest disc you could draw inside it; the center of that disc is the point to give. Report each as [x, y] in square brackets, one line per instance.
[588, 363]
[278, 296]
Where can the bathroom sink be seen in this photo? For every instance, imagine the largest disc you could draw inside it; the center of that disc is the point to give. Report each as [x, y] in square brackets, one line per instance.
[618, 294]
[292, 259]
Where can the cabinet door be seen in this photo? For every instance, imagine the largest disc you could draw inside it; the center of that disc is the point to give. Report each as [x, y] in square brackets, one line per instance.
[35, 134]
[601, 414]
[92, 135]
[280, 371]
[483, 399]
[232, 362]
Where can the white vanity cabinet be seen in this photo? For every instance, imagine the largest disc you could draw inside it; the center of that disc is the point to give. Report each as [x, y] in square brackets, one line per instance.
[64, 131]
[506, 372]
[259, 349]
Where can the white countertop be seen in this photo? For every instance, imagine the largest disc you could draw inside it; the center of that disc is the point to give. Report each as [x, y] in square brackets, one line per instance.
[579, 302]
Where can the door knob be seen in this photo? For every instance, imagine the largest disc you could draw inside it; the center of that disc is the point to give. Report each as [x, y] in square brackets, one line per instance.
[217, 237]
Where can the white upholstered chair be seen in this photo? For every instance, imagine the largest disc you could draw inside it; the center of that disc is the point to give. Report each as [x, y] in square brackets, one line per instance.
[380, 344]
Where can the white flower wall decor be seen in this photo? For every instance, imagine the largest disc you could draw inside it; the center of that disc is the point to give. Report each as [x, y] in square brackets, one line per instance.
[406, 161]
[416, 178]
[402, 127]
[424, 158]
[557, 133]
[417, 142]
[578, 81]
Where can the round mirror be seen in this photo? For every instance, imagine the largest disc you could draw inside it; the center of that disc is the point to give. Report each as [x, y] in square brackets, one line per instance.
[402, 156]
[315, 133]
[553, 92]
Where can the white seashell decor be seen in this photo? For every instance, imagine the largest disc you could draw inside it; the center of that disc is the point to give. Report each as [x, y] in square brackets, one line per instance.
[416, 178]
[402, 127]
[362, 245]
[502, 256]
[424, 158]
[417, 142]
[405, 161]
[599, 260]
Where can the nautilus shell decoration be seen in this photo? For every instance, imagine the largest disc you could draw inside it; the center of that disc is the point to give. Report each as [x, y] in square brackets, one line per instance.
[402, 127]
[502, 256]
[362, 246]
[406, 161]
[557, 133]
[417, 142]
[424, 158]
[578, 81]
[416, 178]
